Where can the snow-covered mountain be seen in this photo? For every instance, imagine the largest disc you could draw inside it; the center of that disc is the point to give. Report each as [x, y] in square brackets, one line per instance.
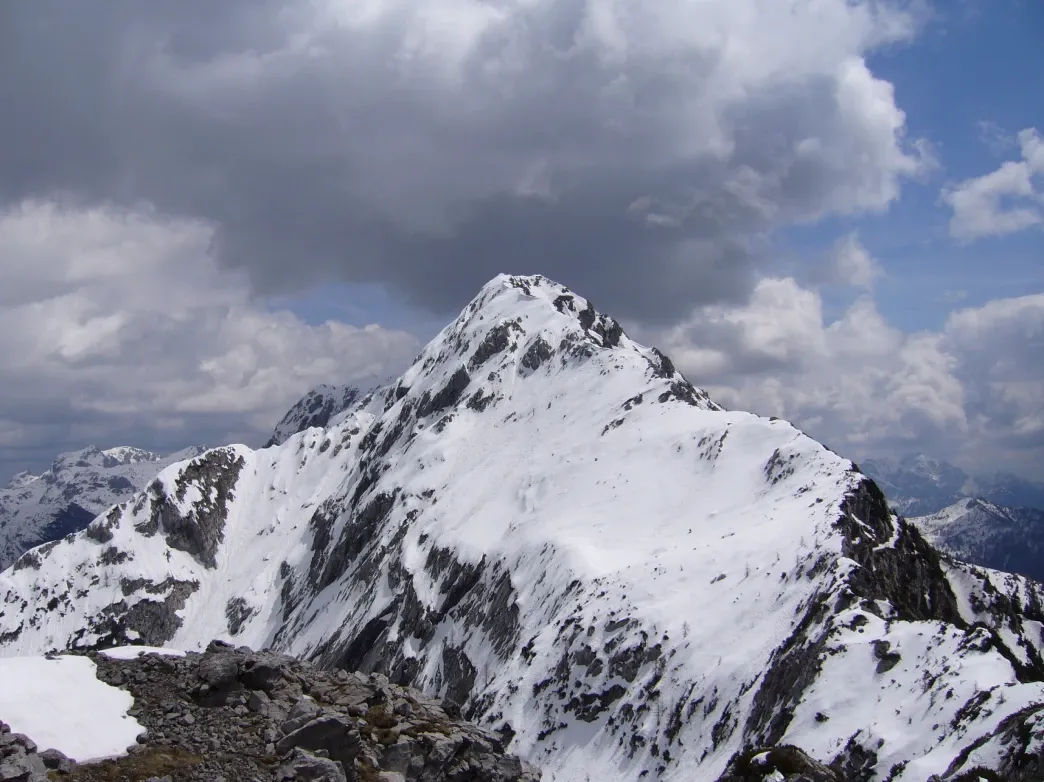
[918, 486]
[991, 535]
[65, 498]
[316, 408]
[543, 522]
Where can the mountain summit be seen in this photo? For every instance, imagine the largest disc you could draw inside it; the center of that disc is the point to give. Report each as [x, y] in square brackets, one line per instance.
[545, 524]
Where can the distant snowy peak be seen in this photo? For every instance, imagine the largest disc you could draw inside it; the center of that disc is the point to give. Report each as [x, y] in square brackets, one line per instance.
[543, 522]
[21, 480]
[990, 535]
[128, 455]
[917, 485]
[316, 408]
[35, 509]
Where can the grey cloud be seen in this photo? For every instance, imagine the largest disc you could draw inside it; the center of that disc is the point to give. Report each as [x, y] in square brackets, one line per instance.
[641, 167]
[155, 346]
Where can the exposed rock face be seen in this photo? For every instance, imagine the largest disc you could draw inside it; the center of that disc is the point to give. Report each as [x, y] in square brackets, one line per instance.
[204, 721]
[197, 526]
[543, 525]
[21, 760]
[779, 764]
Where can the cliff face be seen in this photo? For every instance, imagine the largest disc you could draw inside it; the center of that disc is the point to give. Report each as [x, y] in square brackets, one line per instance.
[543, 523]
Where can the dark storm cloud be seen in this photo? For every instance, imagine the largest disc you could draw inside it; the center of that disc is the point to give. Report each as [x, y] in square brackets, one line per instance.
[431, 146]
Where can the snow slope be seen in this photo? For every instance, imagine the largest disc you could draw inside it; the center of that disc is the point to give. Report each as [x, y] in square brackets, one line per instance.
[60, 704]
[543, 522]
[35, 509]
[987, 534]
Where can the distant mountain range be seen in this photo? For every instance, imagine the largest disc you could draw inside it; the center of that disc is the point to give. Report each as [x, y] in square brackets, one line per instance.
[996, 521]
[65, 498]
[918, 486]
[988, 534]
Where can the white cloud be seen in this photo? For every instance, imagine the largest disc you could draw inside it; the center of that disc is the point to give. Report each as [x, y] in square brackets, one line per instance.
[996, 139]
[117, 323]
[1004, 201]
[850, 264]
[972, 392]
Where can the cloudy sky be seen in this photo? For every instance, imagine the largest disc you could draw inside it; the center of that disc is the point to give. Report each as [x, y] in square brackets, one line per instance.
[828, 210]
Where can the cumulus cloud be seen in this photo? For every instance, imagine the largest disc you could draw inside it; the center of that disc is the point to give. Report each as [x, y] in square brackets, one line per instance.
[428, 146]
[850, 264]
[1005, 201]
[972, 392]
[118, 324]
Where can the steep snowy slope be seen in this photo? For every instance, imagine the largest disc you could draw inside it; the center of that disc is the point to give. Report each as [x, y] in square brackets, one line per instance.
[35, 509]
[316, 408]
[545, 523]
[991, 535]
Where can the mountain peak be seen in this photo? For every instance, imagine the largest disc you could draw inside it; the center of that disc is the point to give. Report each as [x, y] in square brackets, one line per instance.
[542, 522]
[67, 496]
[316, 408]
[21, 480]
[519, 326]
[127, 454]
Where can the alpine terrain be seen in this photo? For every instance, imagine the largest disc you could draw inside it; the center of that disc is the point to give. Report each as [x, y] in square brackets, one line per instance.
[65, 498]
[543, 523]
[918, 486]
[316, 408]
[991, 535]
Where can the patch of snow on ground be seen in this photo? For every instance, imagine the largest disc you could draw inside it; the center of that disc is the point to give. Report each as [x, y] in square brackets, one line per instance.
[61, 704]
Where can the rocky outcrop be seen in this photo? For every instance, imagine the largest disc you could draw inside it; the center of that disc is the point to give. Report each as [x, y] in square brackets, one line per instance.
[779, 764]
[235, 714]
[22, 761]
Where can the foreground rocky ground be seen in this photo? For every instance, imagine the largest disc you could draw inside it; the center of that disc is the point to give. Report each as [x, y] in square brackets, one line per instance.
[234, 714]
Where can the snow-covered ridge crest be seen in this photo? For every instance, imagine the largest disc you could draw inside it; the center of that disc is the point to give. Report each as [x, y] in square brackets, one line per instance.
[545, 523]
